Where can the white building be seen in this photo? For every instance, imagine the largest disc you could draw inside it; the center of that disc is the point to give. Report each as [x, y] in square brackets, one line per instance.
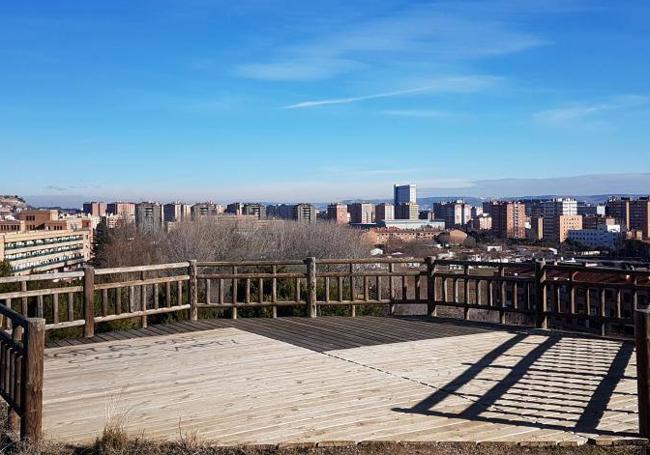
[610, 237]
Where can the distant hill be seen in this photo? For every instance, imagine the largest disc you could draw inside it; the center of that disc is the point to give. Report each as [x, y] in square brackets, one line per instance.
[14, 201]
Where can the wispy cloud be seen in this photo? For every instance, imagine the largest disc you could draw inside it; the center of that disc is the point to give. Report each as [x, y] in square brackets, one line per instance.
[444, 32]
[441, 85]
[579, 112]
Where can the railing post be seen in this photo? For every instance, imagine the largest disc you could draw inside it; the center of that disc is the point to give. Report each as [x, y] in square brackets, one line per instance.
[540, 295]
[194, 291]
[642, 337]
[32, 381]
[311, 286]
[431, 286]
[89, 301]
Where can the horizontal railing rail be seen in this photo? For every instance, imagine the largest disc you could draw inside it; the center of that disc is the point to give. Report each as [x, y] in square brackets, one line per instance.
[598, 300]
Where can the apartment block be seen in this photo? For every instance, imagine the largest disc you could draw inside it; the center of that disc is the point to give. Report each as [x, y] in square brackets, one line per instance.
[254, 209]
[384, 212]
[482, 222]
[407, 211]
[95, 208]
[175, 212]
[554, 230]
[619, 209]
[205, 209]
[45, 251]
[338, 213]
[508, 218]
[564, 224]
[304, 213]
[597, 222]
[235, 208]
[125, 210]
[149, 217]
[36, 219]
[454, 213]
[640, 216]
[361, 213]
[536, 231]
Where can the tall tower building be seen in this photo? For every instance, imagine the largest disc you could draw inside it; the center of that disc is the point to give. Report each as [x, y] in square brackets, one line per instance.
[361, 213]
[337, 213]
[508, 218]
[554, 226]
[149, 217]
[405, 200]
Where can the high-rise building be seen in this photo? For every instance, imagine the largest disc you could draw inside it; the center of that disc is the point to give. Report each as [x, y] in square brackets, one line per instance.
[640, 216]
[255, 209]
[384, 212]
[124, 210]
[304, 213]
[149, 217]
[619, 209]
[565, 224]
[94, 208]
[483, 222]
[407, 211]
[508, 218]
[175, 212]
[205, 209]
[403, 194]
[235, 208]
[454, 213]
[361, 213]
[337, 213]
[554, 230]
[536, 232]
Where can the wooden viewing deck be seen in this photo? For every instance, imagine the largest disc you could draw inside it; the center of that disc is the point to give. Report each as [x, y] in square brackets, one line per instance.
[286, 380]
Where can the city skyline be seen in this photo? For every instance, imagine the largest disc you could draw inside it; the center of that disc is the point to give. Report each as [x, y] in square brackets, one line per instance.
[317, 102]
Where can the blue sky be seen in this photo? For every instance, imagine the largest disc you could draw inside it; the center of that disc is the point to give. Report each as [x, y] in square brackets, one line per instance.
[296, 100]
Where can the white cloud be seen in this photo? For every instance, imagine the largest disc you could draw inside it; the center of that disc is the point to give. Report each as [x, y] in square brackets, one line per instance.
[578, 112]
[442, 85]
[417, 34]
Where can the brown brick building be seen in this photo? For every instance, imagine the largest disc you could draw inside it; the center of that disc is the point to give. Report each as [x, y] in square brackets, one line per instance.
[508, 218]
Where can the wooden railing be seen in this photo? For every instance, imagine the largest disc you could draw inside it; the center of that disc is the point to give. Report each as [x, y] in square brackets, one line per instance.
[21, 371]
[596, 300]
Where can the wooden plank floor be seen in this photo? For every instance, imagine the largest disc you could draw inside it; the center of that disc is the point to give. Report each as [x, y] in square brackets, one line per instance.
[325, 379]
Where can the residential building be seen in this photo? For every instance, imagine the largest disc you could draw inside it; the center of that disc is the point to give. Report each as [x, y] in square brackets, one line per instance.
[508, 218]
[411, 224]
[454, 213]
[12, 226]
[94, 208]
[587, 209]
[597, 222]
[608, 236]
[619, 209]
[175, 212]
[536, 231]
[235, 208]
[554, 230]
[404, 194]
[254, 209]
[338, 213]
[36, 219]
[564, 224]
[124, 210]
[407, 211]
[482, 222]
[476, 211]
[304, 213]
[149, 217]
[384, 212]
[45, 251]
[205, 209]
[640, 215]
[361, 213]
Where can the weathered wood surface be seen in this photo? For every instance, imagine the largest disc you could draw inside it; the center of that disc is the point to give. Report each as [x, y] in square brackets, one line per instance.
[232, 384]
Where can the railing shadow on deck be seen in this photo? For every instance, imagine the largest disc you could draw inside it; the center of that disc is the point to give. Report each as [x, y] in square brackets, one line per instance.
[576, 400]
